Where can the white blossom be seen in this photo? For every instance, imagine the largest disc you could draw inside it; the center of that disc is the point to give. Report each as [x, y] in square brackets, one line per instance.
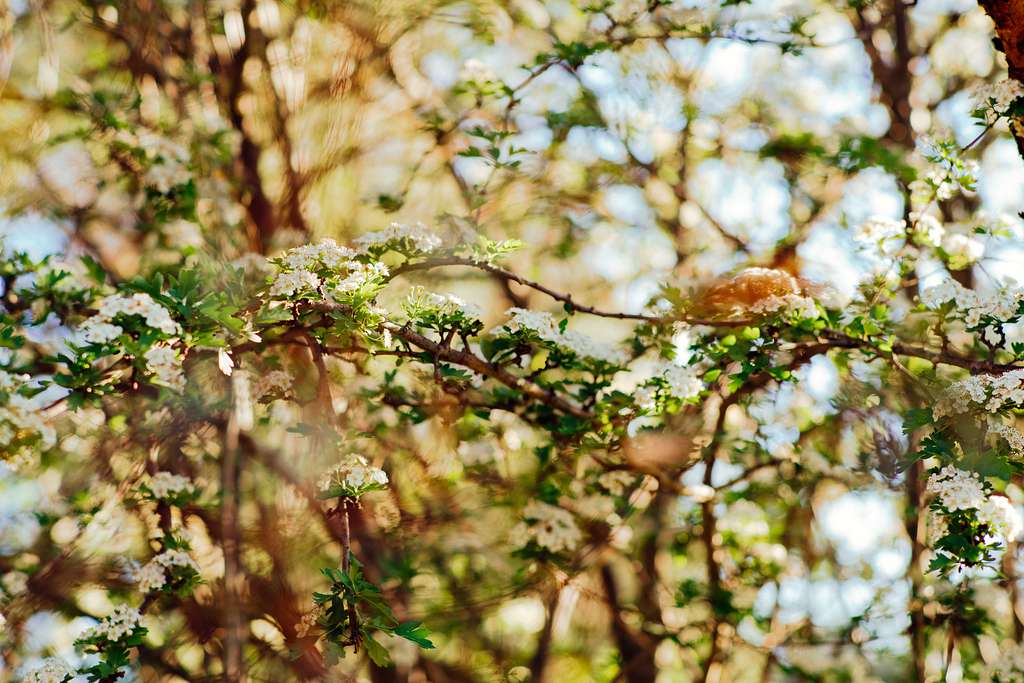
[416, 238]
[1002, 518]
[745, 519]
[168, 159]
[325, 254]
[962, 250]
[353, 476]
[670, 378]
[475, 71]
[52, 670]
[988, 392]
[995, 98]
[549, 526]
[957, 489]
[288, 284]
[360, 275]
[1011, 435]
[140, 304]
[682, 380]
[421, 301]
[796, 305]
[24, 429]
[167, 485]
[973, 306]
[121, 623]
[163, 362]
[96, 330]
[938, 528]
[155, 573]
[881, 234]
[926, 229]
[479, 452]
[546, 327]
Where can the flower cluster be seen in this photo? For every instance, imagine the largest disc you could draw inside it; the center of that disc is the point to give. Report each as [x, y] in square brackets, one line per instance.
[122, 623]
[1001, 518]
[925, 229]
[23, 428]
[548, 526]
[360, 275]
[52, 670]
[169, 486]
[475, 71]
[962, 250]
[167, 160]
[478, 78]
[547, 328]
[789, 305]
[668, 380]
[880, 234]
[59, 275]
[938, 528]
[353, 476]
[295, 282]
[957, 489]
[311, 257]
[164, 569]
[990, 392]
[326, 267]
[949, 174]
[975, 308]
[993, 100]
[163, 361]
[101, 329]
[442, 311]
[1011, 435]
[410, 240]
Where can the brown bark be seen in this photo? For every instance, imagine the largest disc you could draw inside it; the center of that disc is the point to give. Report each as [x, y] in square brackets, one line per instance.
[916, 630]
[1008, 17]
[262, 223]
[891, 73]
[636, 648]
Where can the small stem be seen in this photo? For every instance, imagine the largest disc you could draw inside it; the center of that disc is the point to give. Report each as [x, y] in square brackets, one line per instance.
[346, 563]
[346, 536]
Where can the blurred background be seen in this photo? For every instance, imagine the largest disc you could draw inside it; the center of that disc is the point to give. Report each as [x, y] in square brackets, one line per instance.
[628, 145]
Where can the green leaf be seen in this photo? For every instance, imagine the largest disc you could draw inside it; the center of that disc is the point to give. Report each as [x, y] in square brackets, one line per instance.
[915, 418]
[416, 632]
[94, 269]
[376, 652]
